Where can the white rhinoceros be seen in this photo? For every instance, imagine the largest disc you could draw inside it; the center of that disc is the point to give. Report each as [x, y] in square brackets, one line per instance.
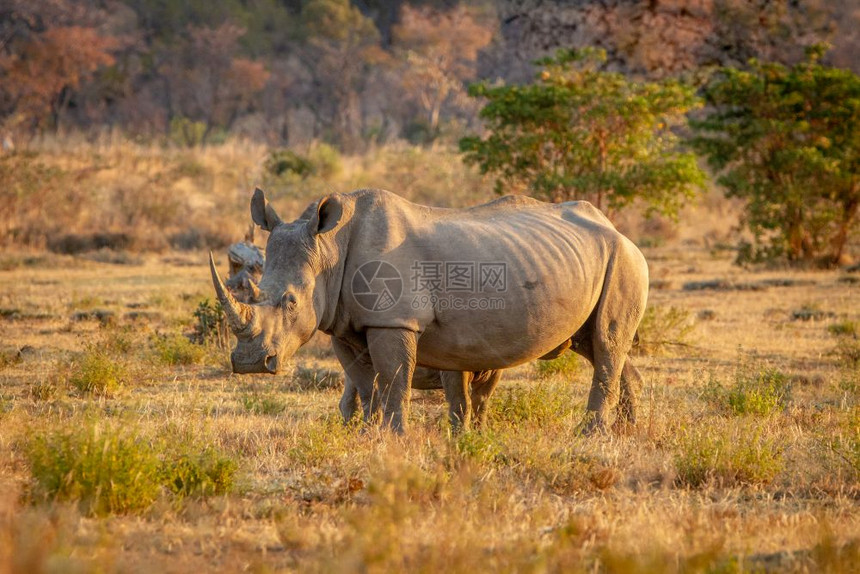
[397, 285]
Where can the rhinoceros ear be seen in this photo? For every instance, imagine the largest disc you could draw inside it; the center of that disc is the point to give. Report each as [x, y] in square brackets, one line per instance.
[262, 211]
[328, 215]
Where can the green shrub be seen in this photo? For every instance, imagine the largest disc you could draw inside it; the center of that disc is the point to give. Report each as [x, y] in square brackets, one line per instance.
[211, 325]
[479, 446]
[198, 473]
[567, 365]
[759, 391]
[282, 162]
[97, 372]
[176, 349]
[727, 455]
[106, 469]
[541, 404]
[326, 160]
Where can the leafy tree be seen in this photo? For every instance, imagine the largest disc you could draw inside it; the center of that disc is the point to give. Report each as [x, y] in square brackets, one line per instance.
[788, 142]
[207, 82]
[439, 50]
[47, 50]
[340, 45]
[579, 132]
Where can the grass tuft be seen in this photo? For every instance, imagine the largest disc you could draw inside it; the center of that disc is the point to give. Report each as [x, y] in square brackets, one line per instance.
[566, 365]
[726, 455]
[104, 468]
[176, 349]
[98, 372]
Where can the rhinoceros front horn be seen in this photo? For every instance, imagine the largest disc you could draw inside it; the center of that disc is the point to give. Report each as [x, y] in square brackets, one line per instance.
[239, 315]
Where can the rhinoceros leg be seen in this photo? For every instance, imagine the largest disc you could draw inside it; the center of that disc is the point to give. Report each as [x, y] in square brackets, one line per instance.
[359, 371]
[456, 385]
[393, 352]
[631, 381]
[631, 387]
[615, 321]
[483, 385]
[349, 400]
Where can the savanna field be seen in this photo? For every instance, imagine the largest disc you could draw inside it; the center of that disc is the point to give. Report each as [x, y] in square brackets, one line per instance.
[127, 445]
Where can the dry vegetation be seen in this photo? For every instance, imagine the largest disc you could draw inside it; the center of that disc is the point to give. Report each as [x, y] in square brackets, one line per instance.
[125, 447]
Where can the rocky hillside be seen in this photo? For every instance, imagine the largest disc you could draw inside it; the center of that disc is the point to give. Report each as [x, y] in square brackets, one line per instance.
[657, 38]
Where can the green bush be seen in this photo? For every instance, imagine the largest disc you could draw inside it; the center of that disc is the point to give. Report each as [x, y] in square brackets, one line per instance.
[727, 455]
[567, 365]
[106, 469]
[759, 391]
[479, 446]
[541, 404]
[204, 473]
[176, 349]
[97, 372]
[283, 162]
[211, 325]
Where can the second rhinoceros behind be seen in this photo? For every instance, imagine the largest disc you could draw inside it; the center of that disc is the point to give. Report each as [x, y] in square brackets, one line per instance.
[397, 284]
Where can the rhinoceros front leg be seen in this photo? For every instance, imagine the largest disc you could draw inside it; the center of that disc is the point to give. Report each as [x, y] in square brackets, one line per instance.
[456, 385]
[358, 382]
[393, 353]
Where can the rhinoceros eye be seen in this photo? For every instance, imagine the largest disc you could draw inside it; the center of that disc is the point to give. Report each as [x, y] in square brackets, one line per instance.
[289, 302]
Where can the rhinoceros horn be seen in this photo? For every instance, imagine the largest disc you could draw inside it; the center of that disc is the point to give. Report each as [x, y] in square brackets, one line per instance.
[239, 315]
[256, 294]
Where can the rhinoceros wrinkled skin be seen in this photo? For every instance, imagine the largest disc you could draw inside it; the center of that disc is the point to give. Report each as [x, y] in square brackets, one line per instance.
[570, 280]
[246, 268]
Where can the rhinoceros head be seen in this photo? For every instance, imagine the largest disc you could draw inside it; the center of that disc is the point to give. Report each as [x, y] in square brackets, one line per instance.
[288, 306]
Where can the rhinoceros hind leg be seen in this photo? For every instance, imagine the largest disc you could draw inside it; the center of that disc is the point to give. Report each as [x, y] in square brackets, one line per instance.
[483, 385]
[456, 385]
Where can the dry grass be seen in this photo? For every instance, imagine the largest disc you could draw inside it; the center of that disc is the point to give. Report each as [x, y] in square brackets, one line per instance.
[702, 485]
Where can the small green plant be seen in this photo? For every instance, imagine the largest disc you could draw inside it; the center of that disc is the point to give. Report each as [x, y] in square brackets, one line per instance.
[191, 473]
[317, 378]
[727, 455]
[211, 325]
[566, 365]
[283, 162]
[664, 327]
[847, 353]
[104, 468]
[260, 404]
[322, 440]
[479, 446]
[844, 329]
[98, 372]
[176, 349]
[758, 391]
[540, 404]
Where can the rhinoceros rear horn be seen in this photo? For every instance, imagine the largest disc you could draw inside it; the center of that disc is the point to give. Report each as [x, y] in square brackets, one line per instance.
[239, 315]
